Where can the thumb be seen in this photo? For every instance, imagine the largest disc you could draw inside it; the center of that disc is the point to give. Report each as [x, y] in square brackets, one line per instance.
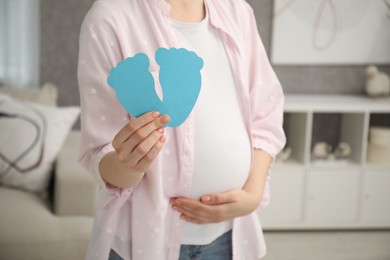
[216, 199]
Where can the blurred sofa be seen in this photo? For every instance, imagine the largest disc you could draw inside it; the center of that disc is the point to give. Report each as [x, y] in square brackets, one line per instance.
[58, 226]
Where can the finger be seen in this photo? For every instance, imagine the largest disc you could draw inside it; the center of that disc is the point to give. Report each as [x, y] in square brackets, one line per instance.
[143, 148]
[131, 127]
[145, 162]
[219, 198]
[195, 207]
[151, 127]
[194, 219]
[143, 133]
[206, 213]
[196, 204]
[193, 215]
[201, 217]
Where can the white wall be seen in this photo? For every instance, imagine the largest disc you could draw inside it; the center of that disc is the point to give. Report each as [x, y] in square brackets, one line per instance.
[2, 40]
[20, 43]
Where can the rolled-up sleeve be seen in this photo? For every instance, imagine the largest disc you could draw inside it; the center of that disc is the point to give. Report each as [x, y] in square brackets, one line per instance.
[266, 96]
[101, 114]
[266, 101]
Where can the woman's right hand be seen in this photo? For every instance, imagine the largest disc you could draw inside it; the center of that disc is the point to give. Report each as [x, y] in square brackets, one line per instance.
[139, 142]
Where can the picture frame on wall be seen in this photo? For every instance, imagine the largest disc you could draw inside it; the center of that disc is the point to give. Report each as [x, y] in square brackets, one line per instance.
[331, 32]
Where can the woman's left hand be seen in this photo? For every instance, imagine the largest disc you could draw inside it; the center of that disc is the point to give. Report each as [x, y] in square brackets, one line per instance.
[216, 207]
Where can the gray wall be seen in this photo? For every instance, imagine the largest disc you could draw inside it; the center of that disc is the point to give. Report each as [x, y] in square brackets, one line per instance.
[60, 26]
[60, 29]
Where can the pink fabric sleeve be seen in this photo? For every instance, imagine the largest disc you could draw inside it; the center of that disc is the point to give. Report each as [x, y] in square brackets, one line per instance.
[267, 98]
[267, 101]
[101, 114]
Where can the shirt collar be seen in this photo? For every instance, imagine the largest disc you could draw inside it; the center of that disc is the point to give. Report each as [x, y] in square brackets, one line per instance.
[215, 13]
[166, 8]
[219, 20]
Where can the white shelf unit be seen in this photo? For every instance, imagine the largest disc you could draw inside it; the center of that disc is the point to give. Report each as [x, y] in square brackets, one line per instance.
[306, 194]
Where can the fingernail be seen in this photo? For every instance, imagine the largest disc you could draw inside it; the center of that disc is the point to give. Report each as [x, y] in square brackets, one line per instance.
[175, 208]
[163, 138]
[165, 119]
[155, 114]
[161, 130]
[206, 198]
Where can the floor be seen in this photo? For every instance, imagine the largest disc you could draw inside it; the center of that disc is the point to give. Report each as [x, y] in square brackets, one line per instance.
[351, 245]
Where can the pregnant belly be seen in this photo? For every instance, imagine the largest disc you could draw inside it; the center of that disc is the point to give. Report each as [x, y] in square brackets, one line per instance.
[220, 166]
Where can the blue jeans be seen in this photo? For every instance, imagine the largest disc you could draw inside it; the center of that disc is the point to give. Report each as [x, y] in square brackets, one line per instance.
[219, 249]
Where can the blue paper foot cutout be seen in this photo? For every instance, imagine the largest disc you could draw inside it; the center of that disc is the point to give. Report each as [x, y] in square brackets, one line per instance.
[180, 81]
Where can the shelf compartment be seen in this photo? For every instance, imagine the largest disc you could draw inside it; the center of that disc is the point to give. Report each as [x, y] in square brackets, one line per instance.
[378, 140]
[379, 119]
[296, 127]
[334, 128]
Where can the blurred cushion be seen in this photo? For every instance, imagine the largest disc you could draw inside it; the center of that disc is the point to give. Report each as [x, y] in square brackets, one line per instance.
[29, 230]
[46, 95]
[30, 140]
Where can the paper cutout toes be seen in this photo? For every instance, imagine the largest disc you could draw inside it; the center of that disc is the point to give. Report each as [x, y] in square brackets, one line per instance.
[180, 80]
[134, 85]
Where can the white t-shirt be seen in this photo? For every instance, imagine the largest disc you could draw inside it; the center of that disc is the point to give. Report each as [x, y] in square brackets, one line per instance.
[222, 146]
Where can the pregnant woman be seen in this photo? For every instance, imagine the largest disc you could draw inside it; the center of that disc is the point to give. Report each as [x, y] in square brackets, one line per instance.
[190, 192]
